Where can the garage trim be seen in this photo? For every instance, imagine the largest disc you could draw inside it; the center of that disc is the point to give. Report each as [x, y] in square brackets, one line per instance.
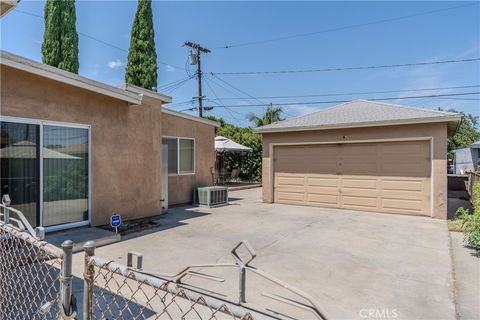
[272, 146]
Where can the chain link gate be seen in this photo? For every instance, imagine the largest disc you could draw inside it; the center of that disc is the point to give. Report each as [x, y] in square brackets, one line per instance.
[33, 278]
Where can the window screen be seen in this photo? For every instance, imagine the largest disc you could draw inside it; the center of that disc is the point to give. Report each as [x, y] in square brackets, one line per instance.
[187, 156]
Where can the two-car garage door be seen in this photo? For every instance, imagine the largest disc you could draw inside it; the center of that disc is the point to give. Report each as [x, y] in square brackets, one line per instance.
[384, 177]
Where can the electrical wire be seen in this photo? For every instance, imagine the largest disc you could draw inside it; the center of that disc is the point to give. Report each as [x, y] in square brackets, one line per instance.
[355, 93]
[342, 101]
[414, 64]
[364, 24]
[95, 39]
[231, 111]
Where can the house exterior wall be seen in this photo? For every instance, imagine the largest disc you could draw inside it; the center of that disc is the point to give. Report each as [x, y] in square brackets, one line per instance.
[125, 140]
[437, 131]
[180, 186]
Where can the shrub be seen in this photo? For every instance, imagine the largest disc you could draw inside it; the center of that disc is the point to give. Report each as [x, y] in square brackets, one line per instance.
[471, 221]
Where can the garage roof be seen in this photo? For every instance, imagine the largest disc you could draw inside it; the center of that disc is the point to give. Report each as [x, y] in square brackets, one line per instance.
[363, 113]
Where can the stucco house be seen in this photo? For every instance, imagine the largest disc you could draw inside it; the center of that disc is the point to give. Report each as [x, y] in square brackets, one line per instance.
[74, 151]
[360, 155]
[466, 159]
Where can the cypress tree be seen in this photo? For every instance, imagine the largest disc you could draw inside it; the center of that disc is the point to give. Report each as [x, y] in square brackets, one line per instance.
[51, 35]
[60, 39]
[69, 38]
[142, 57]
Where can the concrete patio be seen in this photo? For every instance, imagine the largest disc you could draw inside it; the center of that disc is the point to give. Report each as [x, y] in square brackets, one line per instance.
[353, 263]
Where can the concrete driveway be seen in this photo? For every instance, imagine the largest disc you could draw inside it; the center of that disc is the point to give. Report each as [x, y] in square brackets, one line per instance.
[357, 265]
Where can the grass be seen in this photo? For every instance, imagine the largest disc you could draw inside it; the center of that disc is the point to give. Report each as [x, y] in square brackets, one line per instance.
[455, 225]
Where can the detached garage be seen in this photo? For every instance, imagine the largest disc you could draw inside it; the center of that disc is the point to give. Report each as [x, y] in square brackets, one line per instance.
[361, 155]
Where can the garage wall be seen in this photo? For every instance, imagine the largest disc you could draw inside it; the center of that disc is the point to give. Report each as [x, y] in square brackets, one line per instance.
[436, 130]
[125, 177]
[180, 186]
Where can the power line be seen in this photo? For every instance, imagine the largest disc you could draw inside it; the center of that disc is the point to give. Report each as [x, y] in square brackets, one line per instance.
[231, 111]
[414, 64]
[342, 101]
[96, 39]
[354, 93]
[364, 24]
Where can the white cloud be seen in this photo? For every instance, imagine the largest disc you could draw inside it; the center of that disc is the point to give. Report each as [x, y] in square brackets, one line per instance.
[169, 68]
[301, 109]
[115, 64]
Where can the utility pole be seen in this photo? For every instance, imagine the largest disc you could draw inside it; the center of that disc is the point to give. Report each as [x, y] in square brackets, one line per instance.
[195, 59]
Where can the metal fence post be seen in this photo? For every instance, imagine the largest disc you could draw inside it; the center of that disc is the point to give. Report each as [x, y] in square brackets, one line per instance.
[88, 276]
[242, 284]
[6, 213]
[66, 277]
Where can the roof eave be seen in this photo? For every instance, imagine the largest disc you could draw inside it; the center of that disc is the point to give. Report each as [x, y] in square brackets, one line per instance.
[189, 117]
[148, 93]
[69, 78]
[454, 119]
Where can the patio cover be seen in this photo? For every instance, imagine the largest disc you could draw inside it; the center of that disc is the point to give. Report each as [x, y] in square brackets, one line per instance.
[223, 144]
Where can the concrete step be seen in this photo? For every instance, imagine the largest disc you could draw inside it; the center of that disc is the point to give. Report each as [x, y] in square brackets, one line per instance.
[79, 236]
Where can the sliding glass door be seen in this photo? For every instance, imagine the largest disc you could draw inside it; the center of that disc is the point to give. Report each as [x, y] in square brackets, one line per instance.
[65, 175]
[45, 170]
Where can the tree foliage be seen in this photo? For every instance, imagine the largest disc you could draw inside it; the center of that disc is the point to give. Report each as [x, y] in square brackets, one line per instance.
[249, 163]
[142, 57]
[467, 133]
[272, 114]
[60, 39]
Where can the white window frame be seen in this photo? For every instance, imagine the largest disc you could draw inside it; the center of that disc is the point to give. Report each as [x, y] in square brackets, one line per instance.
[178, 156]
[41, 123]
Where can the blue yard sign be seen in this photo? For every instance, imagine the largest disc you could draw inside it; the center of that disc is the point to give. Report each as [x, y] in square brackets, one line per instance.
[115, 221]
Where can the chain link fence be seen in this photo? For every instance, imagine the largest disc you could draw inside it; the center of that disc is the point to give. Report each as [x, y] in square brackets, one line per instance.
[29, 276]
[36, 283]
[120, 293]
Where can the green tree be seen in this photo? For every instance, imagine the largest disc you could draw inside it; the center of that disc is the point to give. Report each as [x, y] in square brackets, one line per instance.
[249, 163]
[467, 133]
[272, 114]
[142, 57]
[60, 39]
[216, 119]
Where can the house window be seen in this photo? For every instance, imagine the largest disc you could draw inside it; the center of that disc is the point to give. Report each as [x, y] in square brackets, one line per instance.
[181, 155]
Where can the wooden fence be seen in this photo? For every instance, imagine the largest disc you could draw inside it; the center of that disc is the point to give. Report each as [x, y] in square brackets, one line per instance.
[473, 178]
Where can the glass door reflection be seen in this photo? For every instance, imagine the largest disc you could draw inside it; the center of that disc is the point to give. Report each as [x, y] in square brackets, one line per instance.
[65, 175]
[19, 159]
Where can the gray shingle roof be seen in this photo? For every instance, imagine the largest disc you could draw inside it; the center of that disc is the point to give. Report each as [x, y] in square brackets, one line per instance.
[360, 113]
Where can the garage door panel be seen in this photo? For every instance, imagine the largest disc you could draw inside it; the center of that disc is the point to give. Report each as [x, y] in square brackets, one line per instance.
[400, 185]
[290, 197]
[384, 177]
[359, 183]
[322, 190]
[323, 199]
[282, 180]
[402, 204]
[359, 202]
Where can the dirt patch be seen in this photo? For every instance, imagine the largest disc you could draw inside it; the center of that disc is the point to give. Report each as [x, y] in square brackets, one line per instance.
[455, 225]
[129, 227]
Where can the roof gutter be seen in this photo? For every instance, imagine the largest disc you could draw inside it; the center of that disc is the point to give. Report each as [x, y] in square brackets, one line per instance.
[454, 118]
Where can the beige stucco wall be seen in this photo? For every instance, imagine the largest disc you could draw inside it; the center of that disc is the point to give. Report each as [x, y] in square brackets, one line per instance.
[436, 130]
[125, 140]
[180, 186]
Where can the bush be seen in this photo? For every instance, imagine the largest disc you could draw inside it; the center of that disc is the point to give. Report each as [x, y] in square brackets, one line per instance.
[471, 221]
[249, 163]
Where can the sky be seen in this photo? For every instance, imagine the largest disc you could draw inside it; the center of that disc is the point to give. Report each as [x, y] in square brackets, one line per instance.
[334, 35]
